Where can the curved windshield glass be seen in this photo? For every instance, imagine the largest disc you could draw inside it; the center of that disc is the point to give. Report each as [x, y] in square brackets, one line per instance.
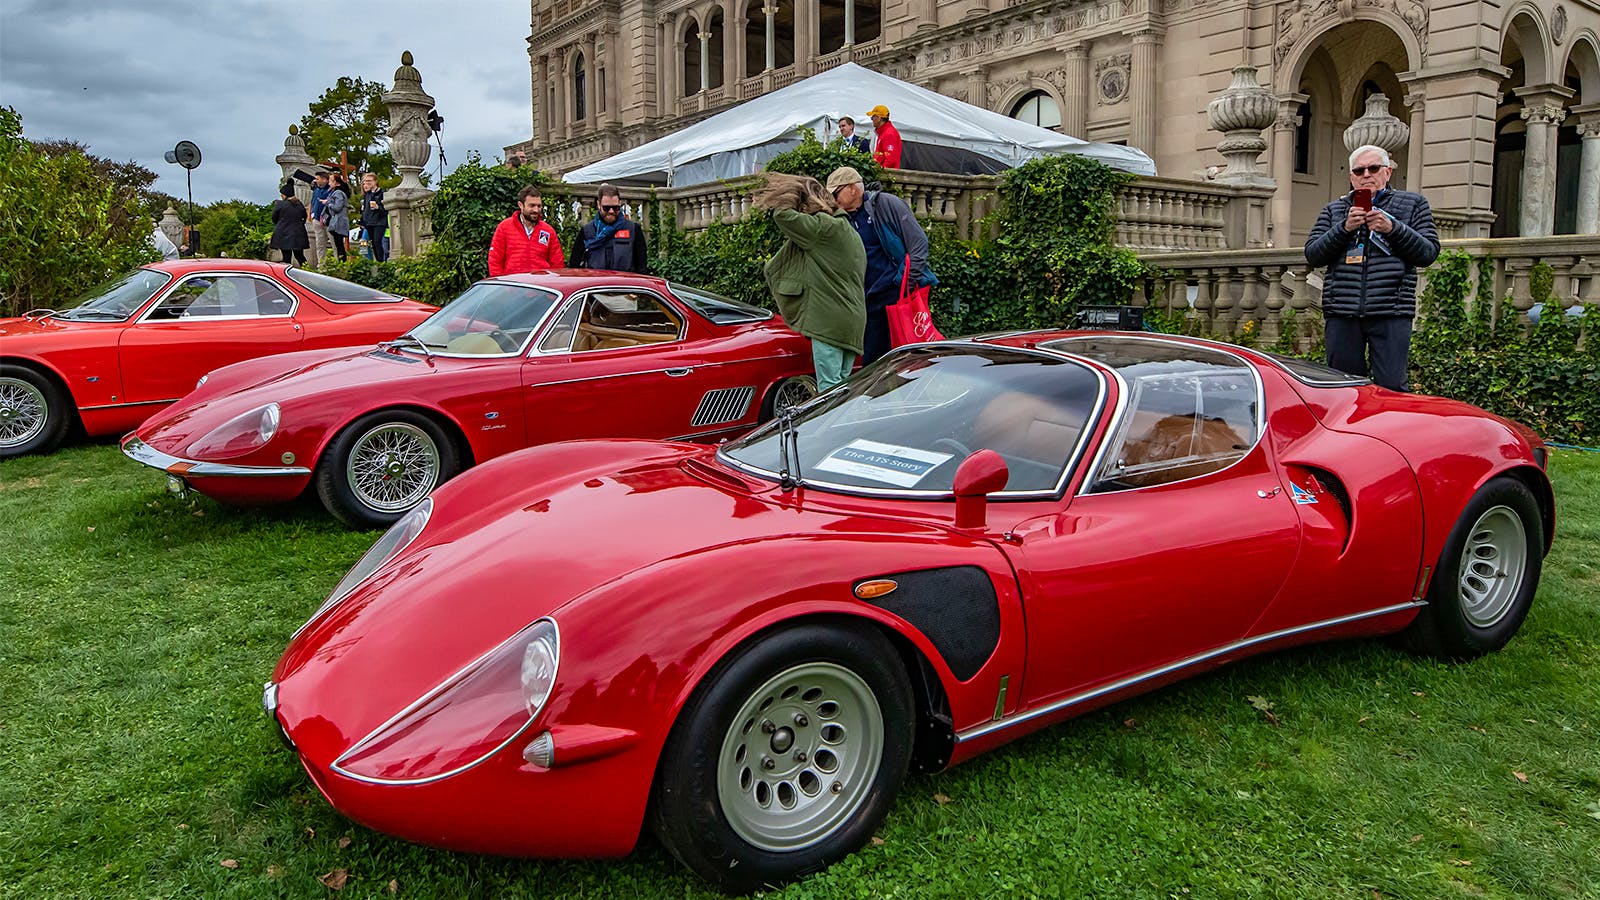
[717, 308]
[905, 424]
[490, 319]
[119, 298]
[337, 290]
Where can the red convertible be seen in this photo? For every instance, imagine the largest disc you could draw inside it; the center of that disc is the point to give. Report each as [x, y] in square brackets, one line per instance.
[513, 361]
[140, 342]
[748, 646]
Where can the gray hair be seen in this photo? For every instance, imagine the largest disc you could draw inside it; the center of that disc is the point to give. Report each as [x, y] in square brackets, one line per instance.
[1371, 148]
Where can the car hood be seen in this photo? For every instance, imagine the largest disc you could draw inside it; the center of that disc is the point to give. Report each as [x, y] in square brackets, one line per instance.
[531, 533]
[18, 326]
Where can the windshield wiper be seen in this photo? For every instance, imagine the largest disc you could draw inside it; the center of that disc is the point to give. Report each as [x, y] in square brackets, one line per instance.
[788, 442]
[81, 313]
[410, 339]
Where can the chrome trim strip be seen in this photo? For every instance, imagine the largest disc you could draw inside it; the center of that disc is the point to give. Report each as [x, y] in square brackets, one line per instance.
[435, 691]
[140, 452]
[120, 405]
[1075, 699]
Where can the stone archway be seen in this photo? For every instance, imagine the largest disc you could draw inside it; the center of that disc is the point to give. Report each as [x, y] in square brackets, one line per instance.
[1527, 127]
[1582, 75]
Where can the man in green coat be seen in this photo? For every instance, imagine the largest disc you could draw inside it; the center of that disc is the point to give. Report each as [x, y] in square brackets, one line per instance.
[817, 276]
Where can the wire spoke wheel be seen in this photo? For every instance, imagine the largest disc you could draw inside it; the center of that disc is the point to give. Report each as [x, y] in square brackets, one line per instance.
[793, 392]
[24, 412]
[801, 756]
[393, 466]
[1493, 563]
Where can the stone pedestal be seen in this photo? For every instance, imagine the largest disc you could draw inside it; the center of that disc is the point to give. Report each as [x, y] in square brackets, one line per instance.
[1241, 113]
[408, 107]
[295, 158]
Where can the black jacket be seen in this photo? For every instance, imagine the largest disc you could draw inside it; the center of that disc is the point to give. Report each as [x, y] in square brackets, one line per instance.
[1384, 283]
[289, 225]
[374, 215]
[625, 252]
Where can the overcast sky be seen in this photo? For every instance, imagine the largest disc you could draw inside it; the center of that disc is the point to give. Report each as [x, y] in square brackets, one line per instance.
[131, 78]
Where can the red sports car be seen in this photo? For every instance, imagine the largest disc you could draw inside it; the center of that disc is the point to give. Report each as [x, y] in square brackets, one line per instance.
[139, 343]
[749, 645]
[514, 361]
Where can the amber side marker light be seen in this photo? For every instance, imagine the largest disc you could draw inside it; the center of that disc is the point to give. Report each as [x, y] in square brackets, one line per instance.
[871, 590]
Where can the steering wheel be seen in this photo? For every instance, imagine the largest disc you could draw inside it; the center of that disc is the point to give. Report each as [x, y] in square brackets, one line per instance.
[506, 341]
[961, 451]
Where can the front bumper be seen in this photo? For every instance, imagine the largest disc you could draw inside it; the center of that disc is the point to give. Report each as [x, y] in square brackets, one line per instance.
[140, 452]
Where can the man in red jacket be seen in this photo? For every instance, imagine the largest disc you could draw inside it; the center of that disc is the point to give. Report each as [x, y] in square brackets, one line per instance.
[885, 138]
[525, 242]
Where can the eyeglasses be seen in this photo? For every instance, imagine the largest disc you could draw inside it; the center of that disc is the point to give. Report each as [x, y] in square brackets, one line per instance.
[611, 208]
[1367, 170]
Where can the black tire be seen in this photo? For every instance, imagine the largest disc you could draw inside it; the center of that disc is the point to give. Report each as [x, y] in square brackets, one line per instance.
[34, 412]
[788, 393]
[1487, 574]
[383, 464]
[818, 730]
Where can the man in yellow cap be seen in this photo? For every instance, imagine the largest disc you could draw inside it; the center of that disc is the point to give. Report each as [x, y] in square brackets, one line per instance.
[885, 138]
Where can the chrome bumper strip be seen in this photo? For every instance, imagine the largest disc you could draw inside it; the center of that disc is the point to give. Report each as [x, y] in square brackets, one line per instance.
[1075, 699]
[140, 452]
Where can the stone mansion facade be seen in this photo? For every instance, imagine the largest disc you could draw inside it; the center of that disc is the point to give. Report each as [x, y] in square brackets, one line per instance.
[1501, 97]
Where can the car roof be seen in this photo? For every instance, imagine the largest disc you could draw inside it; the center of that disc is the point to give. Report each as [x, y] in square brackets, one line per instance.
[566, 280]
[212, 264]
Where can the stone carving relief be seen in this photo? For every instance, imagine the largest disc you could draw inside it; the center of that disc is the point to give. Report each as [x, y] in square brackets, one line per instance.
[1297, 19]
[1558, 24]
[1111, 79]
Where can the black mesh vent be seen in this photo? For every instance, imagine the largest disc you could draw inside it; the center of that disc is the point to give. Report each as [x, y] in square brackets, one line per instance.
[955, 607]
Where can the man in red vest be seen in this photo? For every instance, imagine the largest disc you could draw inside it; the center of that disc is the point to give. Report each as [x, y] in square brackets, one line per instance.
[524, 242]
[885, 138]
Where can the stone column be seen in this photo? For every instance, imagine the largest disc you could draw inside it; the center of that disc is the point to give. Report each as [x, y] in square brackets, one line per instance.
[1456, 163]
[295, 158]
[1283, 151]
[1243, 110]
[1543, 109]
[1589, 168]
[1075, 94]
[705, 61]
[1414, 100]
[805, 37]
[977, 86]
[408, 106]
[569, 101]
[928, 12]
[732, 48]
[542, 115]
[677, 58]
[611, 84]
[591, 69]
[771, 12]
[1142, 92]
[849, 23]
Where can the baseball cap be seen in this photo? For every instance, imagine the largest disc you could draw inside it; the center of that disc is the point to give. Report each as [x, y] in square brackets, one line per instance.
[880, 111]
[844, 176]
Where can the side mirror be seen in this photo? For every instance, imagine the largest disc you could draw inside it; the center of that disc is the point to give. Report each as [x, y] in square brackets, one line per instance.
[978, 476]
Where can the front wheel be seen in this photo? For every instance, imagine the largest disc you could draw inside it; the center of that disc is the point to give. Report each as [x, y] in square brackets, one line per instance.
[787, 758]
[788, 394]
[382, 465]
[1487, 575]
[33, 412]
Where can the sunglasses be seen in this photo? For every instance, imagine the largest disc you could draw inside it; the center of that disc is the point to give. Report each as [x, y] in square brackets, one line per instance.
[611, 208]
[1367, 170]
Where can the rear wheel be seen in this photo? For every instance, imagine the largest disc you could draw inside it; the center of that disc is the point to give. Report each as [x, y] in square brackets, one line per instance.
[33, 412]
[1486, 576]
[382, 465]
[787, 394]
[787, 758]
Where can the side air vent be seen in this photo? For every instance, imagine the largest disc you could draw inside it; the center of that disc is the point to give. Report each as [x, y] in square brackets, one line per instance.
[1341, 496]
[720, 407]
[955, 607]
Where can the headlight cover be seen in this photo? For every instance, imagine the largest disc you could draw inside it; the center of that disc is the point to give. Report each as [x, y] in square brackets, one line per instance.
[397, 538]
[202, 382]
[467, 719]
[239, 435]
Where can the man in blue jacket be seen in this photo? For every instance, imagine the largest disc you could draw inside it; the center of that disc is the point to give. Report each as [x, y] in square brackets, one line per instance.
[1373, 252]
[891, 235]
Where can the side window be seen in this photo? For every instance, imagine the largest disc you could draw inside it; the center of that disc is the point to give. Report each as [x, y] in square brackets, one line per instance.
[559, 337]
[220, 296]
[611, 319]
[1181, 426]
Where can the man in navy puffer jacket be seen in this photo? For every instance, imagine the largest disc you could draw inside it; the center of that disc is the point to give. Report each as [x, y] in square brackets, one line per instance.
[1370, 293]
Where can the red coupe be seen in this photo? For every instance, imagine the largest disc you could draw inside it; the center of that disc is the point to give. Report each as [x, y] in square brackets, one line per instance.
[748, 646]
[140, 342]
[514, 361]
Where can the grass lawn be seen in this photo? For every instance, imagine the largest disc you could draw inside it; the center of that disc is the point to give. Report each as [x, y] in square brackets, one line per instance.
[136, 630]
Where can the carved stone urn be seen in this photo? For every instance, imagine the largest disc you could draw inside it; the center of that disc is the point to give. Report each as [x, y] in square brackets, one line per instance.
[1377, 127]
[408, 108]
[1241, 113]
[295, 158]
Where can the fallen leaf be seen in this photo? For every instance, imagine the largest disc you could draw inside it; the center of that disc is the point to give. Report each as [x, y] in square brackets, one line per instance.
[1362, 719]
[394, 886]
[1521, 777]
[1376, 895]
[344, 842]
[91, 527]
[310, 832]
[877, 841]
[1130, 723]
[940, 799]
[230, 864]
[335, 880]
[1259, 702]
[1415, 838]
[1270, 718]
[1480, 729]
[183, 826]
[1418, 694]
[1462, 862]
[274, 871]
[197, 514]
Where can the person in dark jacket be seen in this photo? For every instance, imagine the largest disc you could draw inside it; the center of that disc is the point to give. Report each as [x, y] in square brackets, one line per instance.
[1369, 295]
[890, 234]
[338, 213]
[289, 225]
[374, 216]
[610, 240]
[847, 134]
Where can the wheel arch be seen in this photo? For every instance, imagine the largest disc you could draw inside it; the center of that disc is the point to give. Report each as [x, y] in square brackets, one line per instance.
[444, 420]
[48, 372]
[1539, 484]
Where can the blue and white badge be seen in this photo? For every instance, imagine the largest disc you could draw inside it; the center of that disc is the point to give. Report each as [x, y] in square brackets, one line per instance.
[888, 463]
[1301, 495]
[544, 238]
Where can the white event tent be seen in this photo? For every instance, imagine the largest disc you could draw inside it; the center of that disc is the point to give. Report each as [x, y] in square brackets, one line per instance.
[941, 134]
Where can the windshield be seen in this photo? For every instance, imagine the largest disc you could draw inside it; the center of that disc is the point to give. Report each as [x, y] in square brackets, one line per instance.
[490, 319]
[118, 299]
[905, 424]
[717, 308]
[337, 290]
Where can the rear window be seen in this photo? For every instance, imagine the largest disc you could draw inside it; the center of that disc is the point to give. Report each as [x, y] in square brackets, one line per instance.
[1315, 373]
[337, 290]
[719, 309]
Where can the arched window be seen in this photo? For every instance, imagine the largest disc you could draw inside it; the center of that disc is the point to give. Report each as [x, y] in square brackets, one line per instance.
[715, 51]
[1302, 140]
[869, 20]
[1038, 108]
[580, 109]
[755, 36]
[691, 58]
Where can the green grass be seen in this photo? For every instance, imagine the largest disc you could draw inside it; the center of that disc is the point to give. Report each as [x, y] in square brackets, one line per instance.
[136, 630]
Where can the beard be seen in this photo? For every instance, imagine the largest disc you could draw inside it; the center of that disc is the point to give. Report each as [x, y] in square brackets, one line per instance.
[531, 220]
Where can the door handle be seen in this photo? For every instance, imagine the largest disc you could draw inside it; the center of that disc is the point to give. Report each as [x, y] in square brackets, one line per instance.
[679, 373]
[1267, 494]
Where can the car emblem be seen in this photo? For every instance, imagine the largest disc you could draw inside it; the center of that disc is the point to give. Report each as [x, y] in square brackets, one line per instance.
[1301, 495]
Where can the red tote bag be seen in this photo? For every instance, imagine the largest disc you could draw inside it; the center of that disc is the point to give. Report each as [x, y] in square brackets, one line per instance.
[910, 320]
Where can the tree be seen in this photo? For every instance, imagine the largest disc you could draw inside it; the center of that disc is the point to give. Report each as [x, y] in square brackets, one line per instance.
[131, 179]
[350, 116]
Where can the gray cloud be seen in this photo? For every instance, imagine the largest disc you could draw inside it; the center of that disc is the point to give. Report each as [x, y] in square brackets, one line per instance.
[130, 78]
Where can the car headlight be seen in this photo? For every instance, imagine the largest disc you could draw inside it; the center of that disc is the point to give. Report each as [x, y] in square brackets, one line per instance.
[239, 435]
[397, 538]
[467, 719]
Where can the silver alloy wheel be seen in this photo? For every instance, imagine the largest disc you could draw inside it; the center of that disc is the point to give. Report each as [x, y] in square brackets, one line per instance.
[800, 757]
[24, 412]
[1494, 562]
[793, 392]
[392, 467]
